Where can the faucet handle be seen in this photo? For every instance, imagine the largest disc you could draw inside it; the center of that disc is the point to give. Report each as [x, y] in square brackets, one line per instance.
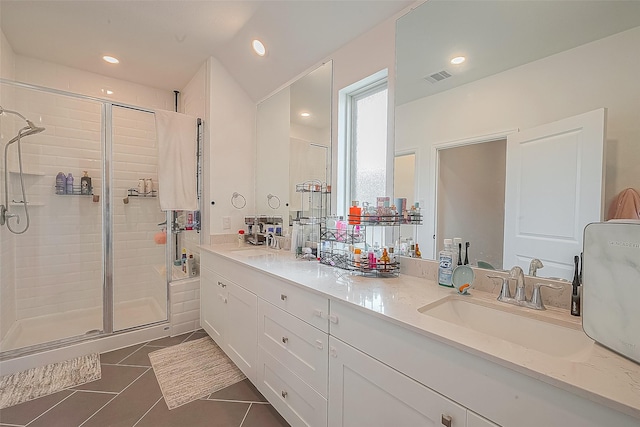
[505, 292]
[536, 297]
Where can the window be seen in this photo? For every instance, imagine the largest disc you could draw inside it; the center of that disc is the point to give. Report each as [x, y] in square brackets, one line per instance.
[363, 147]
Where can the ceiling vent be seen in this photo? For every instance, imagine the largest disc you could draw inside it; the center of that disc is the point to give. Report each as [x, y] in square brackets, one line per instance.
[437, 77]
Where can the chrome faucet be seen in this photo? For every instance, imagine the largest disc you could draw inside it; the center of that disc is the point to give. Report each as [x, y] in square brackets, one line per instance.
[520, 298]
[517, 274]
[534, 265]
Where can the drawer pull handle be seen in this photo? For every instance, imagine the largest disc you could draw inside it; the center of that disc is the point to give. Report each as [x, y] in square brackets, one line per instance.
[317, 313]
[284, 394]
[283, 297]
[285, 340]
[319, 344]
[446, 420]
[222, 284]
[333, 318]
[223, 299]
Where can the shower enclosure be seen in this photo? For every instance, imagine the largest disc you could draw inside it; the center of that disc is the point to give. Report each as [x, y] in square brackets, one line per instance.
[88, 265]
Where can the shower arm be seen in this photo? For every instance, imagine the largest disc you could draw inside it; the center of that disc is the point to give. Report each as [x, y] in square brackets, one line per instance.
[29, 122]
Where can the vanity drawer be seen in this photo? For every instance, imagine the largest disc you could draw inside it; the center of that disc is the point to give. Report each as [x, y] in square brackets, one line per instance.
[295, 400]
[305, 305]
[299, 346]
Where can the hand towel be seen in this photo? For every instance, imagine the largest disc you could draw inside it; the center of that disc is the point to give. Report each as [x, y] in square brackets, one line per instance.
[177, 161]
[626, 205]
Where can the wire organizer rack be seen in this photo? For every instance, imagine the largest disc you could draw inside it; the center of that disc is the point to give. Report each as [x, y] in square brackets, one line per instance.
[132, 192]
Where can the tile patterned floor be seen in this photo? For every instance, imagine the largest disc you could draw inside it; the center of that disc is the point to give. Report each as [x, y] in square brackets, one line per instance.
[128, 395]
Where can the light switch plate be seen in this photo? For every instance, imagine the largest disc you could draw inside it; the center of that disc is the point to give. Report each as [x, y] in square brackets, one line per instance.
[226, 222]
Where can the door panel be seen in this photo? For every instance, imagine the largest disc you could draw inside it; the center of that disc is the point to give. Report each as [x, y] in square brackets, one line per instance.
[553, 190]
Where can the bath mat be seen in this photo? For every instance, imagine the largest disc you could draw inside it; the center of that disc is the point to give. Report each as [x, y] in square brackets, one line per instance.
[44, 380]
[192, 370]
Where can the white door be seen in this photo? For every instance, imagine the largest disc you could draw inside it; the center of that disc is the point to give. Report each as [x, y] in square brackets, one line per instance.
[554, 188]
[365, 392]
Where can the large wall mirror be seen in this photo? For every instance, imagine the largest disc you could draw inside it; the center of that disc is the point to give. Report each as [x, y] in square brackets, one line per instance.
[293, 142]
[528, 65]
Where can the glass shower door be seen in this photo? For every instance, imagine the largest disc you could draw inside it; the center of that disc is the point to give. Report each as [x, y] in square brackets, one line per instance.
[51, 275]
[139, 263]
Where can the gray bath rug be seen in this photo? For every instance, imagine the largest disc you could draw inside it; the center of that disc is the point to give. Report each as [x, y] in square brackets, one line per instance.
[192, 370]
[37, 382]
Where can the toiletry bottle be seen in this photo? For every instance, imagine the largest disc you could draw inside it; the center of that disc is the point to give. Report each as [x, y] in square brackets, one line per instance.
[357, 256]
[575, 293]
[417, 252]
[240, 238]
[61, 183]
[384, 259]
[69, 187]
[85, 184]
[354, 213]
[148, 186]
[141, 187]
[193, 269]
[184, 260]
[445, 270]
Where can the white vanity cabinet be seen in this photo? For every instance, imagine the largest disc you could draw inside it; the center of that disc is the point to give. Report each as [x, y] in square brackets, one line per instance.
[475, 420]
[212, 305]
[365, 392]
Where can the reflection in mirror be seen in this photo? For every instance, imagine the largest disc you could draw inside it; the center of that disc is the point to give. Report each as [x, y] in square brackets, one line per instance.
[527, 64]
[471, 192]
[293, 132]
[404, 186]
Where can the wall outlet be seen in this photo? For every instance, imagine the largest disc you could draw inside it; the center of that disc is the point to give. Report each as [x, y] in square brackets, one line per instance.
[226, 222]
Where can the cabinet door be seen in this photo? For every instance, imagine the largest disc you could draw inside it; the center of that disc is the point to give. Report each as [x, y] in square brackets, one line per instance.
[475, 420]
[241, 339]
[213, 298]
[365, 392]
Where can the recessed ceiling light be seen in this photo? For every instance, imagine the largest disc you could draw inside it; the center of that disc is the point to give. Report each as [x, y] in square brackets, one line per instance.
[258, 47]
[458, 60]
[110, 59]
[305, 114]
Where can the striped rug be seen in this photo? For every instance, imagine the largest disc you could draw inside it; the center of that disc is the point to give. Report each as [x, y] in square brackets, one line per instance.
[44, 380]
[192, 370]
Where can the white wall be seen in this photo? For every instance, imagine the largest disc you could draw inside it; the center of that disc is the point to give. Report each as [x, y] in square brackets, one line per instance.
[231, 134]
[595, 75]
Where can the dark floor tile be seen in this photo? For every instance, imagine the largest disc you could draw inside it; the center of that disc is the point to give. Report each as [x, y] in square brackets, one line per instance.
[169, 341]
[114, 378]
[243, 391]
[74, 410]
[26, 412]
[196, 336]
[264, 416]
[130, 405]
[209, 413]
[116, 356]
[140, 357]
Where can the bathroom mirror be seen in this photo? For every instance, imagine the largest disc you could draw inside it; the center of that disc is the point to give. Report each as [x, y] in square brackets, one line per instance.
[293, 131]
[526, 64]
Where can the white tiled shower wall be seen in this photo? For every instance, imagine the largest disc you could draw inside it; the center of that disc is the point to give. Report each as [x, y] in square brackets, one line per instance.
[53, 224]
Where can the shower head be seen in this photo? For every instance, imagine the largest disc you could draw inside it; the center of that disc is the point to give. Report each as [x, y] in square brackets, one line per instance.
[25, 131]
[33, 129]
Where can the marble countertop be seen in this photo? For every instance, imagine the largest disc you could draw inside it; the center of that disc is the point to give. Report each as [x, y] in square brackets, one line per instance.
[596, 374]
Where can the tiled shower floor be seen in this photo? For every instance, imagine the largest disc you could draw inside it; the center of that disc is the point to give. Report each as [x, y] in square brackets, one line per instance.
[128, 395]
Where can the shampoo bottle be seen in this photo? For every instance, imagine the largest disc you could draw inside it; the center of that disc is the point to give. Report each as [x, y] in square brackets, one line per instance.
[445, 269]
[85, 184]
[355, 212]
[69, 189]
[61, 183]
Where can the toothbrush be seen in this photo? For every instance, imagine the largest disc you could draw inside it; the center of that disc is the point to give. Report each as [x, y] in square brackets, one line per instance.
[466, 253]
[459, 253]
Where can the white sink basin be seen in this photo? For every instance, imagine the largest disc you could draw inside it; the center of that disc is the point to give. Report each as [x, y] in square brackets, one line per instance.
[566, 342]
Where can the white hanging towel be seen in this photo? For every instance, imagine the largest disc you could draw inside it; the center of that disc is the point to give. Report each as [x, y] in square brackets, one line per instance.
[177, 161]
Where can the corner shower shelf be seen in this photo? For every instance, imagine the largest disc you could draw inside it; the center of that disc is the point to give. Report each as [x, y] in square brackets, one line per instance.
[132, 192]
[29, 204]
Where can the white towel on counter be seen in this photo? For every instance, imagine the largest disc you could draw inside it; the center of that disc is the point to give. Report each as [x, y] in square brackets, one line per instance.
[177, 161]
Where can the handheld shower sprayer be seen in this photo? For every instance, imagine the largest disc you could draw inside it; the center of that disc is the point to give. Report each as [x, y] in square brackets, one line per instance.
[5, 215]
